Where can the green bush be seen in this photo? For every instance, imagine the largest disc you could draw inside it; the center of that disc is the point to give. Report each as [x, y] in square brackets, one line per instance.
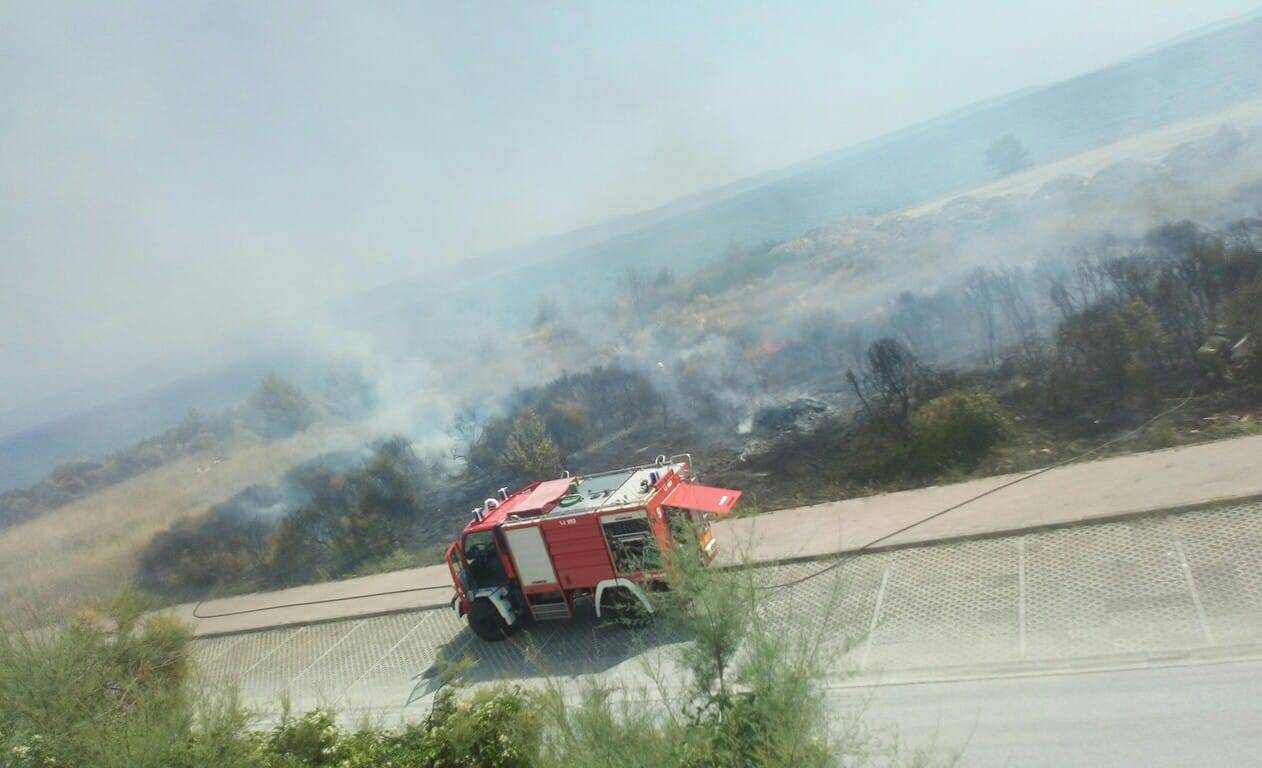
[1161, 436]
[493, 728]
[107, 689]
[112, 690]
[741, 692]
[490, 728]
[1109, 351]
[308, 740]
[957, 429]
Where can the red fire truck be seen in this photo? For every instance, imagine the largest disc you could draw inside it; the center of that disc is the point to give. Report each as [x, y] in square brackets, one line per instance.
[529, 555]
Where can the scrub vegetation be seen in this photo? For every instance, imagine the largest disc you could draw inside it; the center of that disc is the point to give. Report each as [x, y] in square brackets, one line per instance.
[1065, 358]
[89, 548]
[385, 506]
[114, 689]
[277, 409]
[324, 519]
[775, 366]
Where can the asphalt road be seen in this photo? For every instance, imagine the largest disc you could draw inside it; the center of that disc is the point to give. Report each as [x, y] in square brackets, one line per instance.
[1175, 587]
[939, 617]
[979, 646]
[1197, 715]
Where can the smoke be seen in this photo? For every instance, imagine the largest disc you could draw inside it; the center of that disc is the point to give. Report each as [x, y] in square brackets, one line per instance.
[765, 328]
[721, 349]
[324, 179]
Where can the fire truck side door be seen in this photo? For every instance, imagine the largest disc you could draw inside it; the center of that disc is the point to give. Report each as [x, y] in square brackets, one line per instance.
[530, 554]
[458, 577]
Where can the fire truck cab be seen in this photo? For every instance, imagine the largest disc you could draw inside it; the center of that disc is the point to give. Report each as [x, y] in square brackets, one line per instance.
[528, 555]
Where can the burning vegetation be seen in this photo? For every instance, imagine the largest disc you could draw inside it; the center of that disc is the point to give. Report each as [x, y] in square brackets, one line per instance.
[1042, 320]
[1060, 354]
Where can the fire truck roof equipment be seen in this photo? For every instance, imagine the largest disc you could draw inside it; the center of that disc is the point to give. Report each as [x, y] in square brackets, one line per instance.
[542, 497]
[718, 501]
[530, 500]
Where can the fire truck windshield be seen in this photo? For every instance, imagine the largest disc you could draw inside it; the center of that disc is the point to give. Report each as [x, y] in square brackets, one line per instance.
[486, 568]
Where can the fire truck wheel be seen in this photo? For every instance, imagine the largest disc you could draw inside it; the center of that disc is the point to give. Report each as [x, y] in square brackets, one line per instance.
[486, 622]
[623, 608]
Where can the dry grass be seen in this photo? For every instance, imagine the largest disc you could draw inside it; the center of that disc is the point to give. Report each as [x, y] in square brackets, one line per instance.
[88, 549]
[849, 270]
[1148, 147]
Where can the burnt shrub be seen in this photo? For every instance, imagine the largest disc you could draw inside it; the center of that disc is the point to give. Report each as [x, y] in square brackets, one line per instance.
[348, 516]
[326, 518]
[890, 383]
[571, 411]
[198, 555]
[569, 424]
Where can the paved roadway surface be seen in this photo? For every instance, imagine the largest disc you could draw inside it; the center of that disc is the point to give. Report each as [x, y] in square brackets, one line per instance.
[1157, 717]
[1131, 641]
[1177, 477]
[1184, 586]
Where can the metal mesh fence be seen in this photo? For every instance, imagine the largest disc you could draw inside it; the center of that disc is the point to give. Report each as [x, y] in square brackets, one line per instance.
[1182, 581]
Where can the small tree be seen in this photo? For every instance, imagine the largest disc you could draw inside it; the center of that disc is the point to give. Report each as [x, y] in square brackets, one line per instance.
[529, 448]
[1242, 311]
[1007, 155]
[979, 290]
[386, 505]
[546, 313]
[349, 393]
[742, 691]
[891, 380]
[1009, 288]
[639, 290]
[278, 408]
[911, 317]
[1112, 345]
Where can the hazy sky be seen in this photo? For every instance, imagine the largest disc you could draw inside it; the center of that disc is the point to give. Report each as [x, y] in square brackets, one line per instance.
[170, 171]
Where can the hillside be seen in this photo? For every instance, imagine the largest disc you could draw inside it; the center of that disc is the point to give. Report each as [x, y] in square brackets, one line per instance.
[1207, 169]
[1187, 79]
[745, 360]
[86, 549]
[438, 311]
